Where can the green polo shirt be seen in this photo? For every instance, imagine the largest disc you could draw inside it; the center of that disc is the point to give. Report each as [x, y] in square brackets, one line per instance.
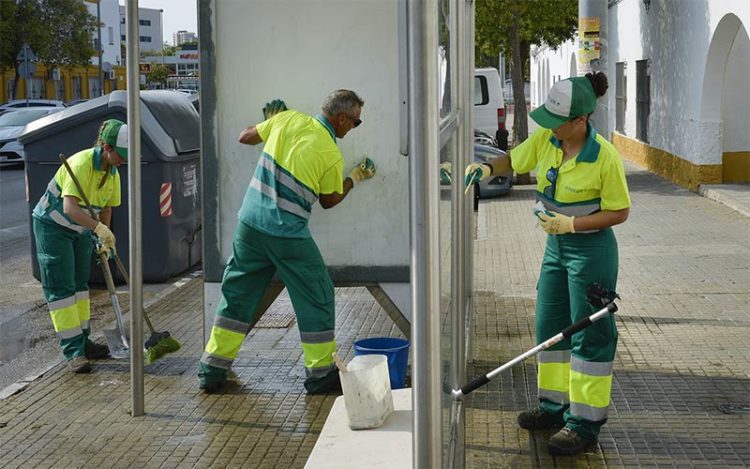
[592, 181]
[300, 160]
[86, 165]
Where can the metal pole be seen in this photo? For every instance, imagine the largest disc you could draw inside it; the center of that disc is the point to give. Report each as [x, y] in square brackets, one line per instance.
[134, 203]
[423, 203]
[99, 47]
[592, 52]
[26, 68]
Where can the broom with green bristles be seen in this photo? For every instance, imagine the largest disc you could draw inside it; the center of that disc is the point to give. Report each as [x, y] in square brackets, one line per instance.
[159, 343]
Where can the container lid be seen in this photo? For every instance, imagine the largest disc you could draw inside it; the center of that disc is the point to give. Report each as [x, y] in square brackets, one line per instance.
[168, 120]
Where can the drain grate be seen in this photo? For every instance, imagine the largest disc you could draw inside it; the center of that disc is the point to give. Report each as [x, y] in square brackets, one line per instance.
[276, 318]
[735, 408]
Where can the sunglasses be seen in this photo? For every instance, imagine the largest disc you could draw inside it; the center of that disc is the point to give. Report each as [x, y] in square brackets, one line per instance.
[549, 191]
[356, 122]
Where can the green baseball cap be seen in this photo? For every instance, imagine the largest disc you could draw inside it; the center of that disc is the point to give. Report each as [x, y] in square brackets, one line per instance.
[115, 133]
[569, 98]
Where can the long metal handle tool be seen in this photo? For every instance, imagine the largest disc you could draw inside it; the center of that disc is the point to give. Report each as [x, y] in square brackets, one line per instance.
[597, 296]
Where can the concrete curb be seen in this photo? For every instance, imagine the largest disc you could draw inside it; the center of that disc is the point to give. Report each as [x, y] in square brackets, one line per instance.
[723, 198]
[19, 386]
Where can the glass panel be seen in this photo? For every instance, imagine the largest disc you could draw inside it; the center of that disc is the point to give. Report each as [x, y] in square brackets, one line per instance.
[446, 270]
[445, 54]
[481, 95]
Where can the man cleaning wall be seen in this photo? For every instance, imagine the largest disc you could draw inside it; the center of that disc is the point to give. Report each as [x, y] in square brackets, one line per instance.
[299, 165]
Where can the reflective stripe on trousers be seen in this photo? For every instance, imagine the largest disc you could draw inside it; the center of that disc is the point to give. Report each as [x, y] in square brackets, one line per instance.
[575, 375]
[256, 257]
[64, 260]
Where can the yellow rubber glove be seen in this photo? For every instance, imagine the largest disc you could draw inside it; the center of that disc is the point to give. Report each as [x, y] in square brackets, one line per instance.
[445, 173]
[556, 223]
[475, 172]
[106, 238]
[274, 107]
[364, 170]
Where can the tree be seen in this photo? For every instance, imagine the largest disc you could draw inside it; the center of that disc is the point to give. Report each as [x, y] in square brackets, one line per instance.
[158, 74]
[58, 31]
[511, 27]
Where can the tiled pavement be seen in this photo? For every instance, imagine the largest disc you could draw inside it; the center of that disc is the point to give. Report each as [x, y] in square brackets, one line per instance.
[683, 352]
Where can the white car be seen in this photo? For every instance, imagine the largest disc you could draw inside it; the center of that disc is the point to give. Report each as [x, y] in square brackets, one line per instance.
[11, 126]
[16, 104]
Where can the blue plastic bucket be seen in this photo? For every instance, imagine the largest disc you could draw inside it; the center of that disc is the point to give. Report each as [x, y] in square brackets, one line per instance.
[395, 350]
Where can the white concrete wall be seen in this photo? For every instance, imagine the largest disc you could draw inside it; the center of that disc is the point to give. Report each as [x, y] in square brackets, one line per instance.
[300, 52]
[687, 106]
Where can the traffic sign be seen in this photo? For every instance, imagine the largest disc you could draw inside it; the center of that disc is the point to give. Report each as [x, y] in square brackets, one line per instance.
[26, 69]
[26, 54]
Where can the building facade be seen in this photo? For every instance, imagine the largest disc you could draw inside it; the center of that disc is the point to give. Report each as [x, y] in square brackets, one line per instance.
[679, 95]
[181, 37]
[150, 29]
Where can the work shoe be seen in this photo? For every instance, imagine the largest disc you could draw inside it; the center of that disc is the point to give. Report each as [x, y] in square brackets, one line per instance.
[231, 383]
[568, 441]
[79, 364]
[537, 419]
[94, 351]
[329, 384]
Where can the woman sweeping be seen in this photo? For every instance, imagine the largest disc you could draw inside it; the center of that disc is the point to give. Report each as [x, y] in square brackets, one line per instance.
[66, 236]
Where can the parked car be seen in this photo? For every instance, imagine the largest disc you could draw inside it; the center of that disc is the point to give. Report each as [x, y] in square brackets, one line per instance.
[483, 153]
[23, 103]
[11, 126]
[187, 91]
[76, 101]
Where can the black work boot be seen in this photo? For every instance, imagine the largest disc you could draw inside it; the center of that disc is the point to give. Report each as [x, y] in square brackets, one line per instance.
[568, 441]
[94, 351]
[79, 365]
[329, 384]
[537, 419]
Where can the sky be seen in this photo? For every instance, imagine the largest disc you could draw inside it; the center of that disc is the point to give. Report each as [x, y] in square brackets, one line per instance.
[177, 15]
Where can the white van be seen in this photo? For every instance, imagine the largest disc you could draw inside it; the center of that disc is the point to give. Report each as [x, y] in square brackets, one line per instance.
[489, 105]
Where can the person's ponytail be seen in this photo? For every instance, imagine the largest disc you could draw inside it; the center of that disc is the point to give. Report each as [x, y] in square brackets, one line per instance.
[598, 82]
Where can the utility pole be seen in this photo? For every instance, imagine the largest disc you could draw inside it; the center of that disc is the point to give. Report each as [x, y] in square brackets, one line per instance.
[592, 52]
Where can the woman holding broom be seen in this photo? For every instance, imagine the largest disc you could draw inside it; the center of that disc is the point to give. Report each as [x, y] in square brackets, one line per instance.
[63, 230]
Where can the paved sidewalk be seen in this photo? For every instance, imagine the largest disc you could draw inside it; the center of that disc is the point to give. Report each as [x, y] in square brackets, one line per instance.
[683, 353]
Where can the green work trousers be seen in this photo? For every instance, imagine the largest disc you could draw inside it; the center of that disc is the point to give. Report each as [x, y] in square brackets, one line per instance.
[65, 264]
[575, 375]
[256, 257]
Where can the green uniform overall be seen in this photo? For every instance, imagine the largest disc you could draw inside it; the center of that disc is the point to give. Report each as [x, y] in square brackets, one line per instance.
[300, 160]
[575, 375]
[64, 248]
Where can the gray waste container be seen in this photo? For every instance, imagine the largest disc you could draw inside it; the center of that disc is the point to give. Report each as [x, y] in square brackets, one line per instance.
[170, 165]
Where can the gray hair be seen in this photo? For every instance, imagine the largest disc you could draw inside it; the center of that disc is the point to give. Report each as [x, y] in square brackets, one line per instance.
[342, 101]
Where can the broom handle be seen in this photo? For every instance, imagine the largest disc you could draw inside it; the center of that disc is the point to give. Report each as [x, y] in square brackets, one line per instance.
[93, 214]
[103, 257]
[125, 275]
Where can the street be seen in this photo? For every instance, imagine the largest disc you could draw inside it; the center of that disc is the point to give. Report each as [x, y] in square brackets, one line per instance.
[20, 291]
